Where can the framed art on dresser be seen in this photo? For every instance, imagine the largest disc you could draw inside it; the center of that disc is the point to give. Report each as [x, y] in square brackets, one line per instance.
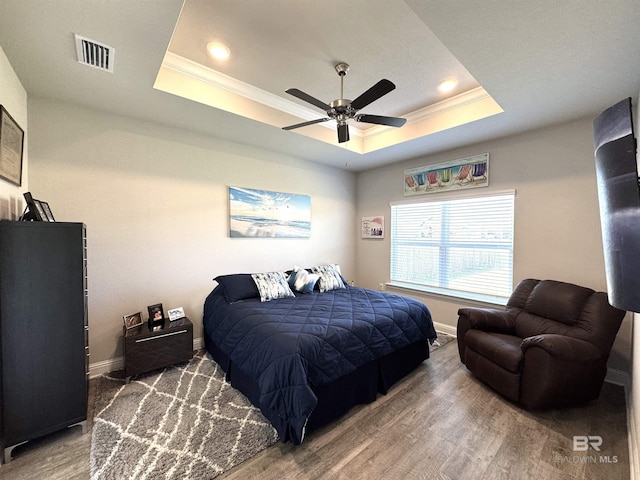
[156, 313]
[133, 320]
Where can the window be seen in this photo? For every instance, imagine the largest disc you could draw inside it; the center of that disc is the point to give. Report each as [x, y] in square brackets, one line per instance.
[461, 247]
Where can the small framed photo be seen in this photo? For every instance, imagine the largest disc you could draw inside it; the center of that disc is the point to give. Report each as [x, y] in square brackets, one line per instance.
[37, 210]
[176, 314]
[47, 211]
[40, 209]
[133, 320]
[156, 313]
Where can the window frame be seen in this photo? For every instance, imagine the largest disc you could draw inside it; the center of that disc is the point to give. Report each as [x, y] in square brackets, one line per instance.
[445, 246]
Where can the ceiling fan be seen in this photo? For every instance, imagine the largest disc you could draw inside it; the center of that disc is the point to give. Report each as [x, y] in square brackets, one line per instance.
[342, 109]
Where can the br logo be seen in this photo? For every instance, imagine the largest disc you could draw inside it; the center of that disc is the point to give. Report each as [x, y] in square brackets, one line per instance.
[582, 443]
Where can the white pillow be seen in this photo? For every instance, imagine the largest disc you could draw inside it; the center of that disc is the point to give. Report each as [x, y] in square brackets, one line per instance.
[330, 278]
[272, 285]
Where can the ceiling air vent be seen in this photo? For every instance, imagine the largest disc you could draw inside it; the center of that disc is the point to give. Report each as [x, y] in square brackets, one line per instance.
[95, 54]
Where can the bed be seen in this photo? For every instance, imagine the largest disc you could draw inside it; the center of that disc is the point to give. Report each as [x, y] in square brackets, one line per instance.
[305, 354]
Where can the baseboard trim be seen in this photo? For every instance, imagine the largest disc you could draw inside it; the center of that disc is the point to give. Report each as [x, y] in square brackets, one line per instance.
[444, 328]
[99, 368]
[617, 377]
[623, 379]
[634, 455]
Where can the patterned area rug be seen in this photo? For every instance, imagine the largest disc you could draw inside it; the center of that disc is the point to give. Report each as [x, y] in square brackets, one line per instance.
[185, 422]
[441, 341]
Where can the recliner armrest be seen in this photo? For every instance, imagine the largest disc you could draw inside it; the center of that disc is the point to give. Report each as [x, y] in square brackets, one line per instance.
[562, 347]
[488, 319]
[558, 370]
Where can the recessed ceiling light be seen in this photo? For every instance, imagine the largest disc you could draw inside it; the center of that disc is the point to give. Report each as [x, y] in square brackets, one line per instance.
[218, 50]
[447, 85]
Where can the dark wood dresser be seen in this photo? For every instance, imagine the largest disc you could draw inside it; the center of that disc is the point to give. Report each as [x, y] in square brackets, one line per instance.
[44, 351]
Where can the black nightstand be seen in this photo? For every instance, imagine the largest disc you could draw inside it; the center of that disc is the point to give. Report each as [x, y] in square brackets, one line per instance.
[147, 349]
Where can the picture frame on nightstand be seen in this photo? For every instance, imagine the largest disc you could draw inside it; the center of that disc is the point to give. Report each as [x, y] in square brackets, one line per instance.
[156, 313]
[176, 314]
[133, 320]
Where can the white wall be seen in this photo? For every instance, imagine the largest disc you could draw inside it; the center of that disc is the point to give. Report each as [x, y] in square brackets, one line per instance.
[155, 202]
[13, 98]
[557, 223]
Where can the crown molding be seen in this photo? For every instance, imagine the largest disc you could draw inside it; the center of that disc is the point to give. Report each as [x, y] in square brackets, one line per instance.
[202, 73]
[461, 100]
[205, 74]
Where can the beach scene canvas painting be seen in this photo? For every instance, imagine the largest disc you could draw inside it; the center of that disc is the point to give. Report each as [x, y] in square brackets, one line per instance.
[261, 213]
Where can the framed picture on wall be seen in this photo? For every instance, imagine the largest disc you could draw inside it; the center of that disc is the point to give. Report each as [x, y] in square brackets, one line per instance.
[266, 214]
[372, 227]
[11, 144]
[468, 172]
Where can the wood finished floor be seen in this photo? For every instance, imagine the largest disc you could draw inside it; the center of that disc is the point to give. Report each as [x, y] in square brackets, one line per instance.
[438, 423]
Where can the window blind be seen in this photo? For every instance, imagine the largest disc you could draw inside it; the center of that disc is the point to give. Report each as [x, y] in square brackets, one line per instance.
[461, 246]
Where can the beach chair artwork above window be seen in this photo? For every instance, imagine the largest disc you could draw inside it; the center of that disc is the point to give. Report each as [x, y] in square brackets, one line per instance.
[468, 172]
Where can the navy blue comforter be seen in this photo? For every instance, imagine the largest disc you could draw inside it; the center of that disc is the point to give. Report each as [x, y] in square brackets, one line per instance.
[291, 344]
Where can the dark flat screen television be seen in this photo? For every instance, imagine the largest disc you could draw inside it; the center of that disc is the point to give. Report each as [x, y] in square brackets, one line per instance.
[619, 199]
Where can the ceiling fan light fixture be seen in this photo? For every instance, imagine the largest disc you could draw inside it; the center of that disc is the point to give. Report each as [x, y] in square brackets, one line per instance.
[447, 85]
[218, 50]
[342, 109]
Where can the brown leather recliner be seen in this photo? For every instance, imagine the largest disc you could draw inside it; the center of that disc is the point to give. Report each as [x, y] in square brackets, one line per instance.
[548, 348]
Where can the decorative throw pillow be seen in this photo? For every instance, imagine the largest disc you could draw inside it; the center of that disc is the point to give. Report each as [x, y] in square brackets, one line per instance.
[330, 278]
[302, 281]
[272, 285]
[238, 286]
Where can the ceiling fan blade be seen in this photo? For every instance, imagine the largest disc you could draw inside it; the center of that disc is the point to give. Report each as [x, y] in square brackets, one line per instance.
[380, 89]
[304, 124]
[343, 133]
[380, 120]
[308, 98]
